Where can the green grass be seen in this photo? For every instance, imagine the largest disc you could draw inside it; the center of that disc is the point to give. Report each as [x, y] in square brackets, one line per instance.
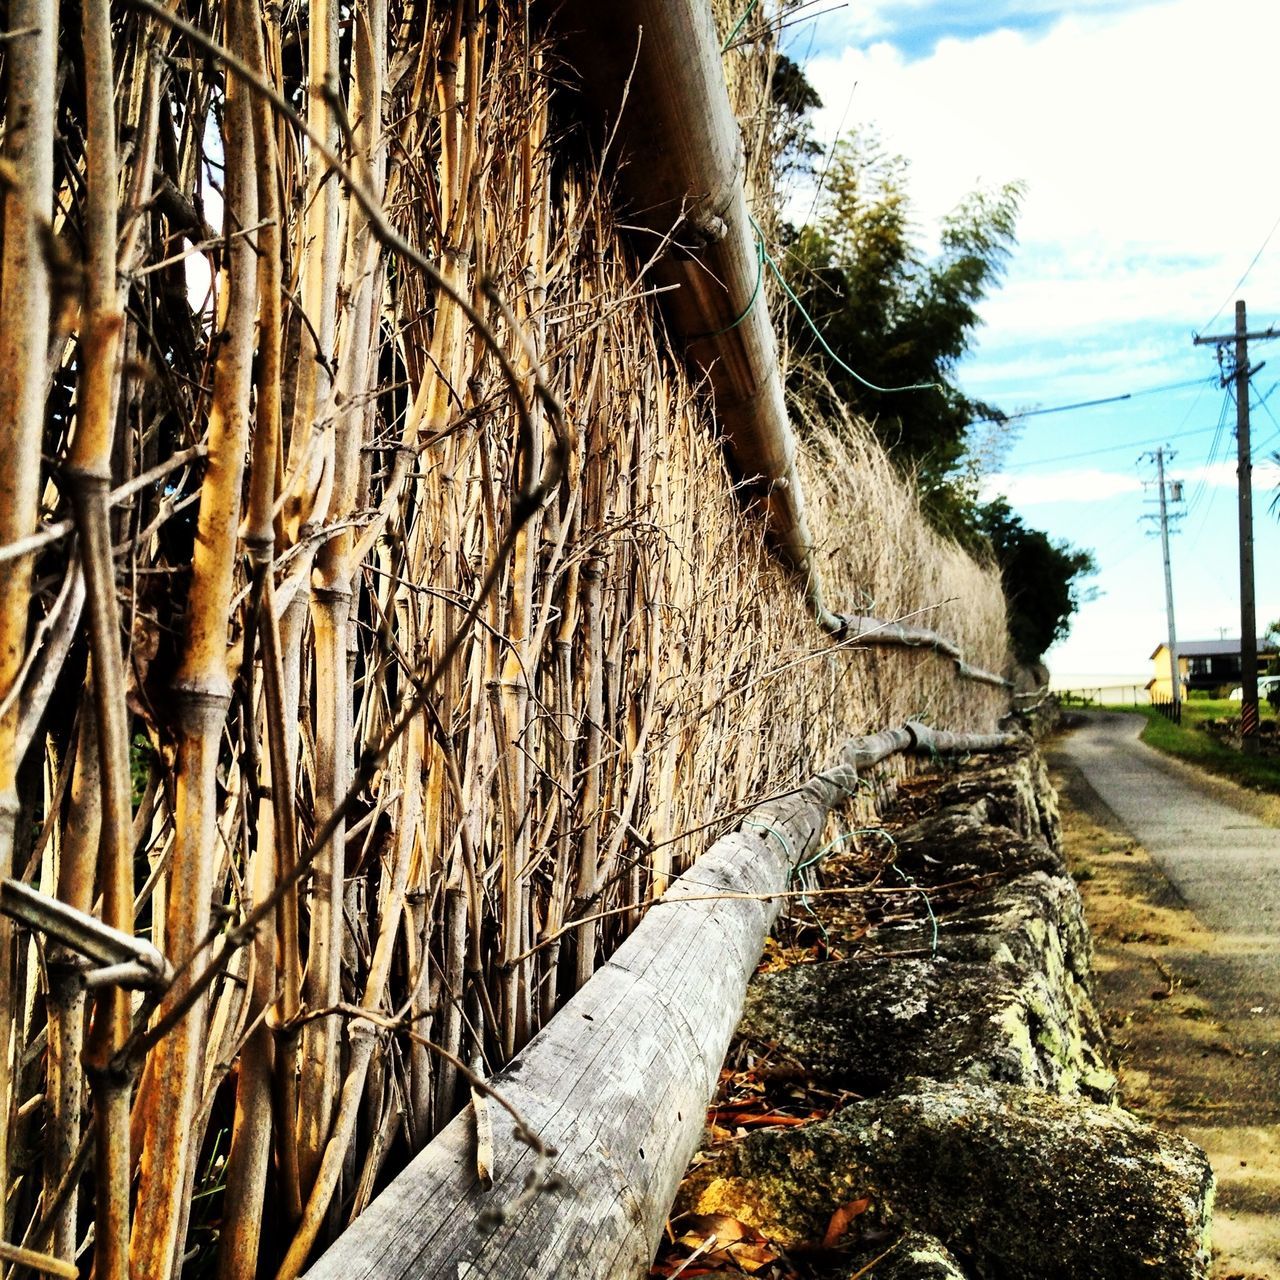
[1189, 742]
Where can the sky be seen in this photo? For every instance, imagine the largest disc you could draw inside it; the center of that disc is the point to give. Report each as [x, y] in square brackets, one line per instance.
[1140, 131]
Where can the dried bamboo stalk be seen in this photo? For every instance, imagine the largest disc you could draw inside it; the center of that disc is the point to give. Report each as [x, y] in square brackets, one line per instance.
[89, 471]
[201, 693]
[249, 1154]
[25, 311]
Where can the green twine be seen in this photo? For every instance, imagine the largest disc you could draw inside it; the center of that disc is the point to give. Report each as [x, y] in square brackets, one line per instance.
[751, 302]
[776, 834]
[907, 880]
[817, 333]
[826, 848]
[742, 22]
[928, 906]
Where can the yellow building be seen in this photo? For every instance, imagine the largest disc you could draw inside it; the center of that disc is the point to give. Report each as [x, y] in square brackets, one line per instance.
[1204, 665]
[1160, 687]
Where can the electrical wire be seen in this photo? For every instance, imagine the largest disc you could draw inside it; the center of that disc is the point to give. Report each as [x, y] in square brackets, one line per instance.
[1214, 446]
[1274, 226]
[1110, 448]
[1266, 408]
[1089, 404]
[1204, 492]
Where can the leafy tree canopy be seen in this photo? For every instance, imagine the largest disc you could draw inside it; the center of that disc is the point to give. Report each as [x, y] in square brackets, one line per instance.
[891, 315]
[895, 316]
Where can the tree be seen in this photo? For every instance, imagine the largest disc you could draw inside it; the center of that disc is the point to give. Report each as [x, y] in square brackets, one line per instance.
[871, 313]
[1041, 578]
[891, 317]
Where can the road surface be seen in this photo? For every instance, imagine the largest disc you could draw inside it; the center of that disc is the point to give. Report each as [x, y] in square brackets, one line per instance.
[1182, 890]
[1224, 862]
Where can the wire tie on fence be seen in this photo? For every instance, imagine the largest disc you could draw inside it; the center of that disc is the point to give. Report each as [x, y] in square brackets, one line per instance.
[742, 22]
[831, 844]
[751, 302]
[774, 832]
[817, 333]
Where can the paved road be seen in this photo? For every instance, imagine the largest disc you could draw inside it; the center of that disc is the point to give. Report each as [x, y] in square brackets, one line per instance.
[1224, 862]
[1194, 1014]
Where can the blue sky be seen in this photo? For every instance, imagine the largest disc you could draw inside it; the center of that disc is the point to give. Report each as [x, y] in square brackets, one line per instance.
[1140, 130]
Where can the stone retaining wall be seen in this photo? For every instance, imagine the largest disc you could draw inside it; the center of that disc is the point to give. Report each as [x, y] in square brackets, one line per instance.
[988, 1143]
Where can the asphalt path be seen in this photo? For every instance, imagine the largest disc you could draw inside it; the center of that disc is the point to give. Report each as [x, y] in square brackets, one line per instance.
[1194, 1009]
[1223, 861]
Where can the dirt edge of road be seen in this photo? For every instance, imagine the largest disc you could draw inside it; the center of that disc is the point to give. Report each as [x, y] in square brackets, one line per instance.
[1187, 1060]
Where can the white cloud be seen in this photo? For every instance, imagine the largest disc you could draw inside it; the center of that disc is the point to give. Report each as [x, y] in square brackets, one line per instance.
[1222, 475]
[1077, 485]
[1145, 201]
[1094, 484]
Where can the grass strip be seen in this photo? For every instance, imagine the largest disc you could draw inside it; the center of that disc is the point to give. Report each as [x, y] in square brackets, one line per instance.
[1191, 742]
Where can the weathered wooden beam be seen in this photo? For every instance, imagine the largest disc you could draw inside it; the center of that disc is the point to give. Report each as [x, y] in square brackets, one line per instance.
[652, 71]
[876, 631]
[618, 1081]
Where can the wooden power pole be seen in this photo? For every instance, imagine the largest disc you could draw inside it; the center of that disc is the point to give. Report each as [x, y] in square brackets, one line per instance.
[1174, 673]
[1244, 480]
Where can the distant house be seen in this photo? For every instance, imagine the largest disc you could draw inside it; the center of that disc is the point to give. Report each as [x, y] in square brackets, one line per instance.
[1203, 665]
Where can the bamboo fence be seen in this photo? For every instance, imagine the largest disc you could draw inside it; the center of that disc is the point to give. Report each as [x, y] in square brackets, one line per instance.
[380, 630]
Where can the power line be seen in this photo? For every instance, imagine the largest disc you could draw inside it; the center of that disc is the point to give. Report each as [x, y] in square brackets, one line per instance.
[1110, 448]
[1266, 408]
[1213, 452]
[1243, 278]
[1090, 404]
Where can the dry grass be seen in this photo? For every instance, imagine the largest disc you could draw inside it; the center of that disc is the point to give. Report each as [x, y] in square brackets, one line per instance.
[480, 646]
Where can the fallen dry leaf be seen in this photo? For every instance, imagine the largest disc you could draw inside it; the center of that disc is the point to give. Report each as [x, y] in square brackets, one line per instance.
[697, 1227]
[841, 1219]
[717, 1238]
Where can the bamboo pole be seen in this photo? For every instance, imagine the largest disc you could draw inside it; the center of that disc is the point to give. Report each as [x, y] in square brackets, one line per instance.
[249, 1155]
[333, 588]
[25, 313]
[89, 471]
[201, 694]
[313, 459]
[77, 858]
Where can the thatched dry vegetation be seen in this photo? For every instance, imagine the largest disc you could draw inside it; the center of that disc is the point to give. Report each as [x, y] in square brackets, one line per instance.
[380, 631]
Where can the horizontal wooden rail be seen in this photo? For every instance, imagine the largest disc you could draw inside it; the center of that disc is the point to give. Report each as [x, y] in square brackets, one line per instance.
[876, 631]
[618, 1082]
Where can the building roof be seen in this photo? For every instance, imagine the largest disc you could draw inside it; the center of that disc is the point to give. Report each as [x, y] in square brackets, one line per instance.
[1211, 648]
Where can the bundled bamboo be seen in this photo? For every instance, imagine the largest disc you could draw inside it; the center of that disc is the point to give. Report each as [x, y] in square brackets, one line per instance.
[424, 640]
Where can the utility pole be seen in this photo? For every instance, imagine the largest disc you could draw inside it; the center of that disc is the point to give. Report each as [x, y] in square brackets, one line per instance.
[1244, 482]
[1175, 675]
[1174, 670]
